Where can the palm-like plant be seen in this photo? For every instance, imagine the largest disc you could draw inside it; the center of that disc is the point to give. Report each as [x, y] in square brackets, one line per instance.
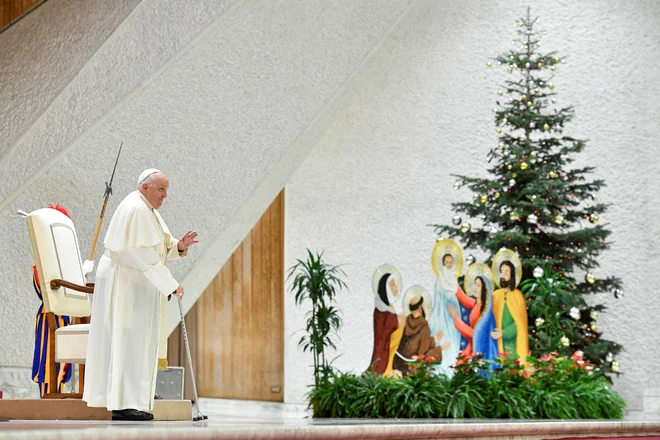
[319, 282]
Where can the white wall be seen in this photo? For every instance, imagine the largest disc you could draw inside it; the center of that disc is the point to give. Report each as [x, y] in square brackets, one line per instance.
[381, 173]
[226, 97]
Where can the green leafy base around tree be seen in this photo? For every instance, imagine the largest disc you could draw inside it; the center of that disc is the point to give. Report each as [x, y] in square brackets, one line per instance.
[546, 388]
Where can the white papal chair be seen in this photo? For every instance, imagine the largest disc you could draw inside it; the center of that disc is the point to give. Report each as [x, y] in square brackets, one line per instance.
[64, 290]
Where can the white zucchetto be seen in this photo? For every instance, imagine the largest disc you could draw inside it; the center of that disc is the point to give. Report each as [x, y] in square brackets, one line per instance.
[147, 173]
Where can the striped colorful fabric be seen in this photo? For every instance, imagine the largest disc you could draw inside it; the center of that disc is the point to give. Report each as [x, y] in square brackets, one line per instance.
[42, 346]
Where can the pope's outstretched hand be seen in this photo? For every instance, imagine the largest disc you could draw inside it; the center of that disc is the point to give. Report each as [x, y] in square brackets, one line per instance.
[187, 240]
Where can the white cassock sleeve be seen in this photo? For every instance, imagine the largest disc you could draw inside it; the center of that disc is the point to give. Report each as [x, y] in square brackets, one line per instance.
[174, 253]
[147, 261]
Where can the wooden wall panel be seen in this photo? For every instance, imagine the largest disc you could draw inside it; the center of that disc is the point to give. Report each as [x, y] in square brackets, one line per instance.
[12, 9]
[239, 320]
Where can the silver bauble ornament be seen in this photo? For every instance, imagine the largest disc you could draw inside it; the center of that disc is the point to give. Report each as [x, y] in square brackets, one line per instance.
[574, 313]
[456, 220]
[469, 259]
[532, 219]
[538, 272]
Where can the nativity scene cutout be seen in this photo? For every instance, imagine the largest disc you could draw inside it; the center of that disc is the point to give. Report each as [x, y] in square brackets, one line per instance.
[487, 315]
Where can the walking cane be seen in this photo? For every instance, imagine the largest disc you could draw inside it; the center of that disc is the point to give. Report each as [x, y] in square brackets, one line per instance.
[199, 415]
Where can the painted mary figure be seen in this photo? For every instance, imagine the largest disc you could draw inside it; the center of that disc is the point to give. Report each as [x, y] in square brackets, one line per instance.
[482, 340]
[444, 299]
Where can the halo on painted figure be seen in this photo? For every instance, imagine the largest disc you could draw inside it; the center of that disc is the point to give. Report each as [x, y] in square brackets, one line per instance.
[442, 248]
[506, 255]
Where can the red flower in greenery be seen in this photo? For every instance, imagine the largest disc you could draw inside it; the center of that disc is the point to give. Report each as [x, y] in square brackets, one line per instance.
[578, 355]
[504, 354]
[429, 359]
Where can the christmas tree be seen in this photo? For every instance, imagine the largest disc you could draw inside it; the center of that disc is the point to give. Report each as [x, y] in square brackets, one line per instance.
[536, 204]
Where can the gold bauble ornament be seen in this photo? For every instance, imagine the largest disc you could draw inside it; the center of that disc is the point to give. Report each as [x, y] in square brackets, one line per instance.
[615, 366]
[512, 58]
[529, 104]
[537, 90]
[510, 69]
[546, 127]
[500, 92]
[540, 65]
[465, 228]
[590, 278]
[498, 130]
[552, 175]
[509, 167]
[497, 195]
[489, 64]
[594, 327]
[551, 85]
[500, 145]
[593, 218]
[524, 166]
[483, 199]
[514, 175]
[557, 59]
[514, 216]
[532, 154]
[524, 97]
[564, 341]
[558, 219]
[553, 68]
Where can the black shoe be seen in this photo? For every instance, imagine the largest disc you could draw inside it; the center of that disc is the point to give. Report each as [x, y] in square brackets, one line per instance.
[131, 414]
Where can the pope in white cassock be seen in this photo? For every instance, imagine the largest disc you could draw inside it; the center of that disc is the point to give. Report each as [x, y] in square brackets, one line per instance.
[132, 285]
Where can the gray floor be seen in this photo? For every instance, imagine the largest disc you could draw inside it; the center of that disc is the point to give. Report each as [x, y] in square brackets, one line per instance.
[254, 420]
